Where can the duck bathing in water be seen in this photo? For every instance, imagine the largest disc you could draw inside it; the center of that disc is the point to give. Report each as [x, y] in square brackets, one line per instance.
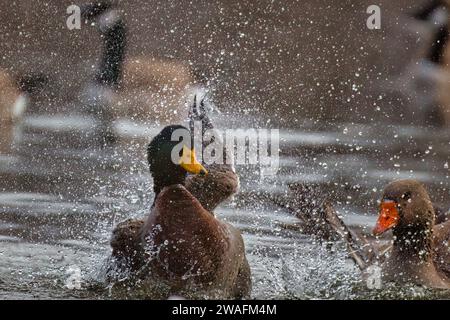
[181, 248]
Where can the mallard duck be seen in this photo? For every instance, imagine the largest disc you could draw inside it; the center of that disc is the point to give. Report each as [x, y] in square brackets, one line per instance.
[182, 248]
[420, 251]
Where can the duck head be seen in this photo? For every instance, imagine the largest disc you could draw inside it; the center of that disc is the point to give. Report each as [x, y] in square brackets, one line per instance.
[405, 205]
[170, 159]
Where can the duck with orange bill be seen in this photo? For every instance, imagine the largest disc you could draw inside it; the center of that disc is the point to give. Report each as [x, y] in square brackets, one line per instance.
[420, 251]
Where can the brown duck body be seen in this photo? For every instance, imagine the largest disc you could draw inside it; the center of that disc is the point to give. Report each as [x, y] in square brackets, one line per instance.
[181, 248]
[430, 267]
[190, 249]
[420, 251]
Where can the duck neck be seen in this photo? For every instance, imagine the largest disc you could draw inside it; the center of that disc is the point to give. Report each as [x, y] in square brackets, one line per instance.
[413, 242]
[160, 181]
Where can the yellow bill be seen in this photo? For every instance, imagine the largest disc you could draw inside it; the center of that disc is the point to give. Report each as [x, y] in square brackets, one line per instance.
[189, 162]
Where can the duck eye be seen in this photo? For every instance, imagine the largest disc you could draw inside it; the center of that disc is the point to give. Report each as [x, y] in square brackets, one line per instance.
[406, 196]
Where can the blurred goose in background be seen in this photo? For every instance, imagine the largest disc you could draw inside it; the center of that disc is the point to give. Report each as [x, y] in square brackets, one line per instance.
[430, 77]
[437, 15]
[420, 253]
[99, 94]
[139, 88]
[422, 85]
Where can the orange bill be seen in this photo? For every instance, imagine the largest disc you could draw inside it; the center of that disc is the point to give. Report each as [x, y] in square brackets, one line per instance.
[388, 217]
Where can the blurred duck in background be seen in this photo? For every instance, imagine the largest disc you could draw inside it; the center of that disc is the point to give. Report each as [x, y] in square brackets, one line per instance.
[9, 109]
[15, 97]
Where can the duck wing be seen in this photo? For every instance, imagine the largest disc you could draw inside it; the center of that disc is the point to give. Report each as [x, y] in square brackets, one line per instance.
[220, 184]
[442, 215]
[126, 253]
[125, 236]
[359, 249]
[320, 219]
